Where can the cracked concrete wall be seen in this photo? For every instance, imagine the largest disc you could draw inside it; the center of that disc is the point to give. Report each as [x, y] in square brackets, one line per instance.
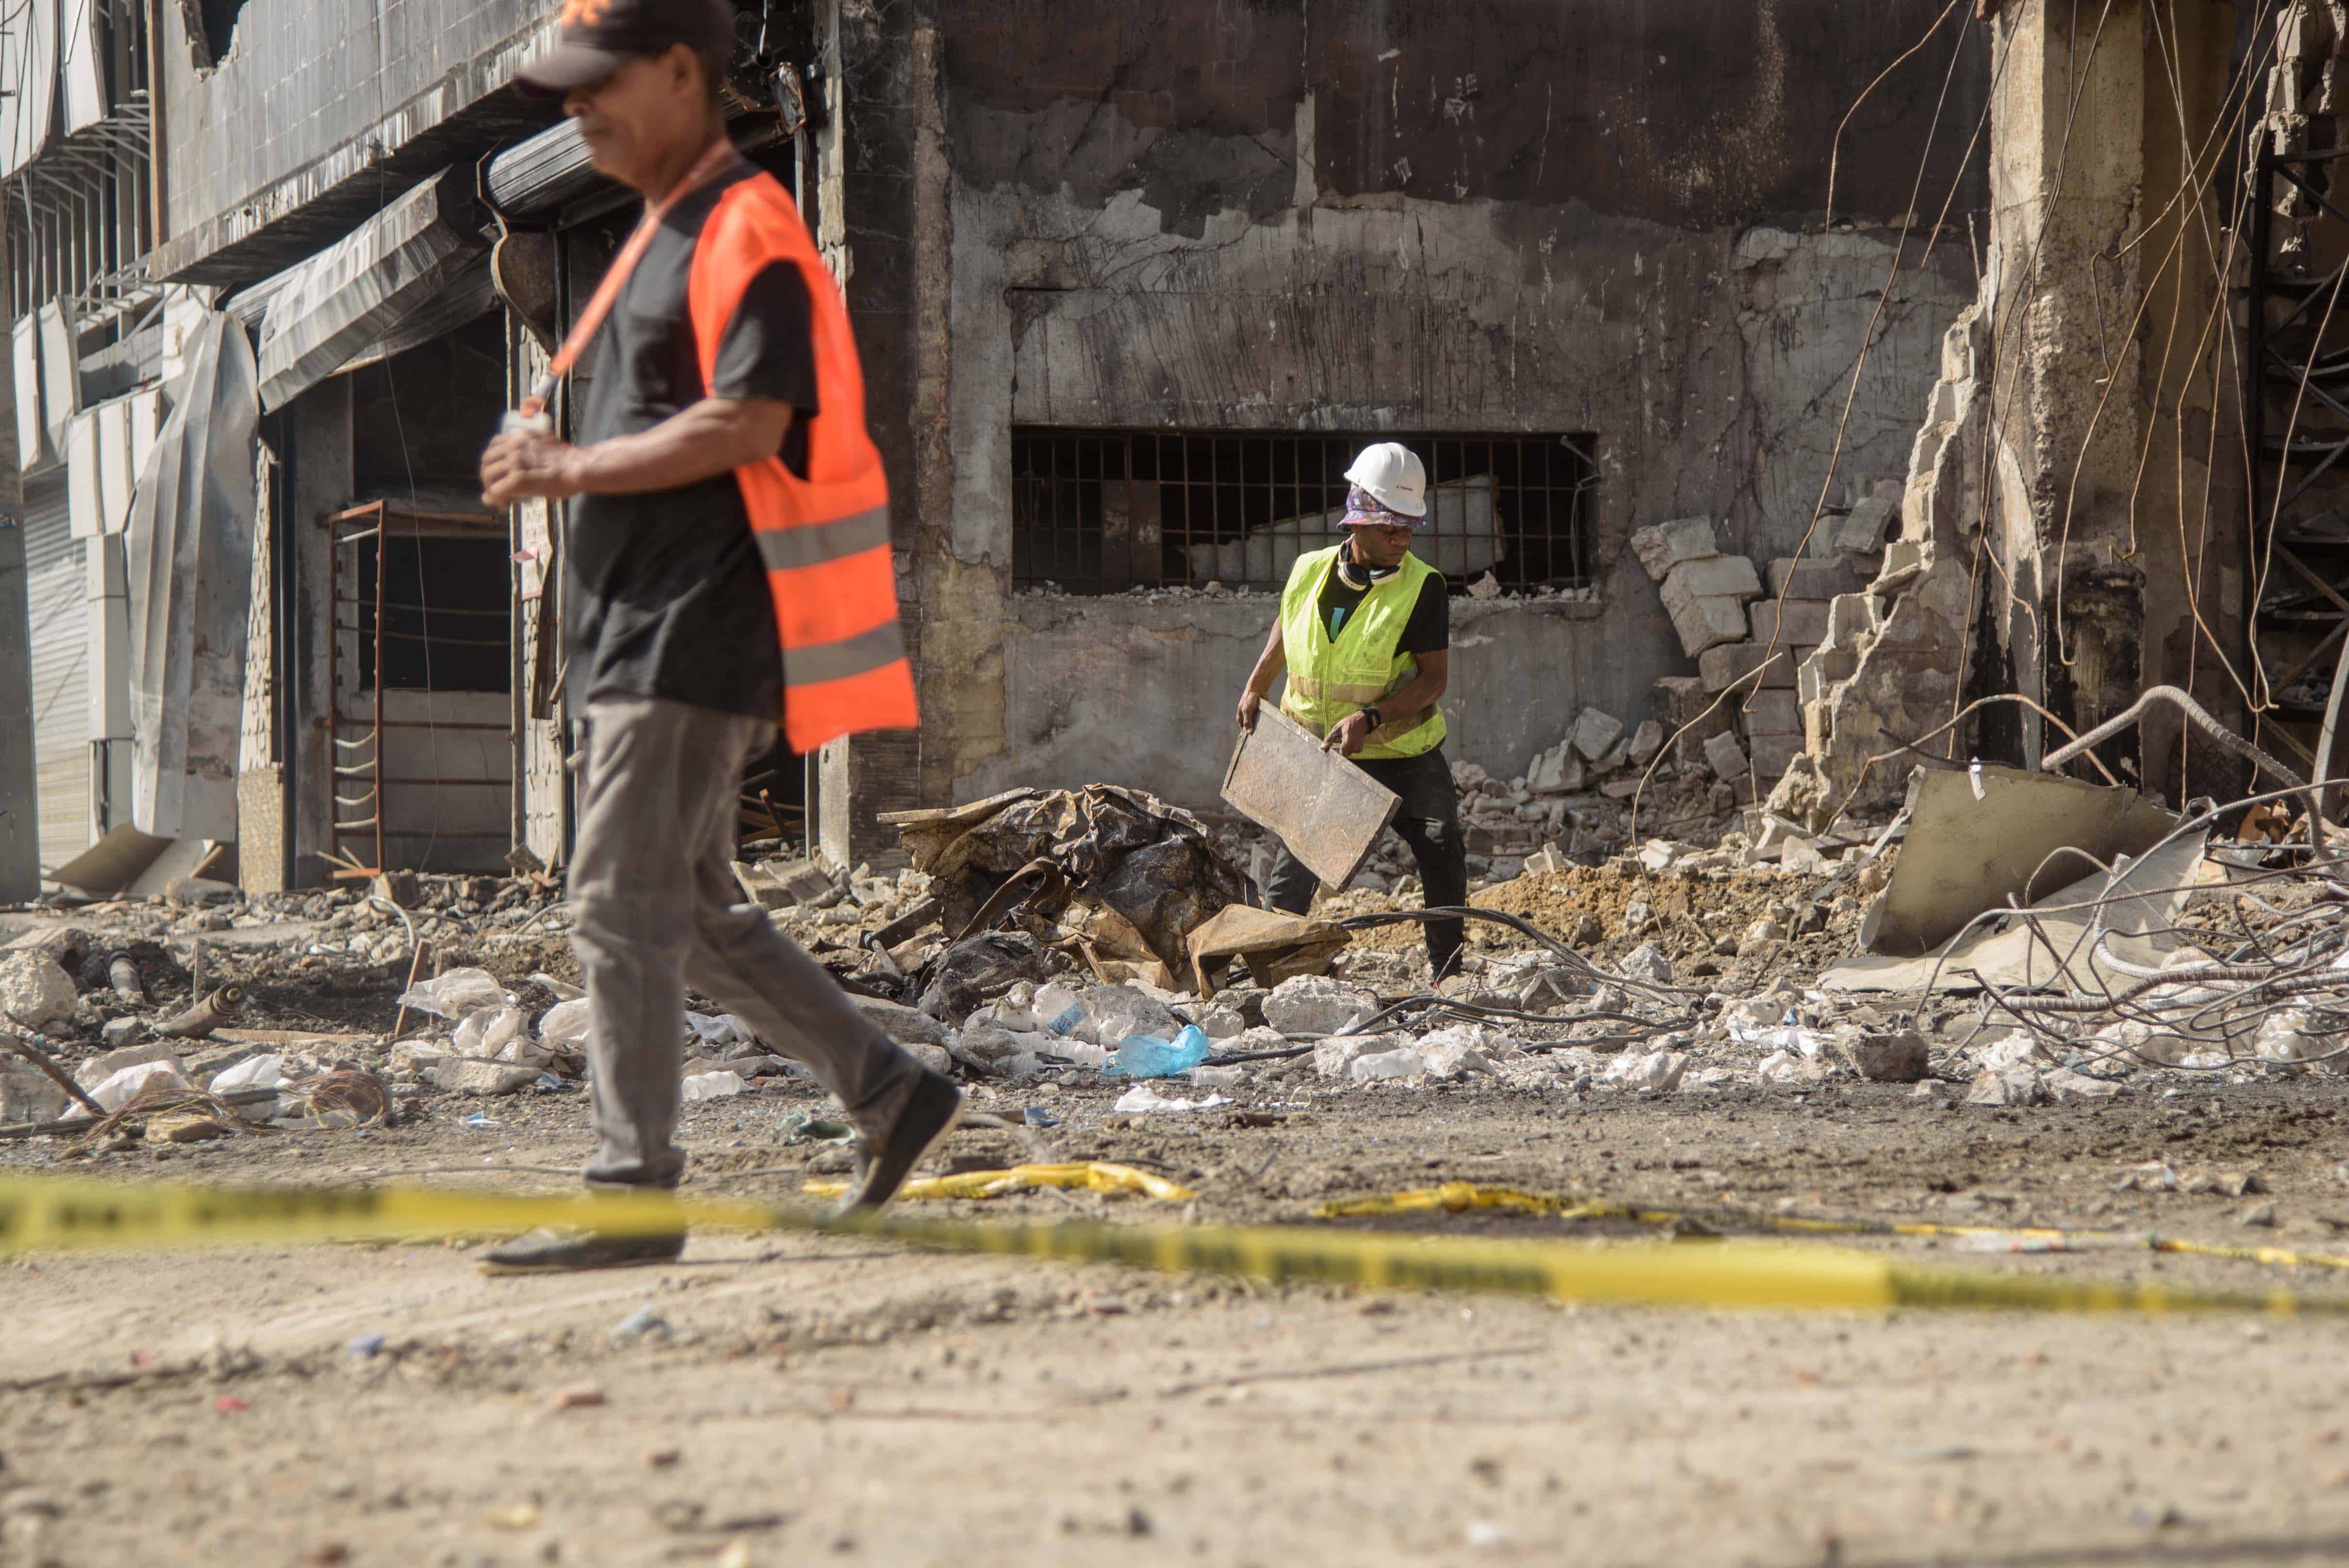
[1308, 216]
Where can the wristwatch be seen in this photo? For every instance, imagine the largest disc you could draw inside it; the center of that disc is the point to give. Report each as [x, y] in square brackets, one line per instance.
[1373, 715]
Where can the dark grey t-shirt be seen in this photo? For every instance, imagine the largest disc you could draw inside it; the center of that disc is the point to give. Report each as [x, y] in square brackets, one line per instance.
[666, 595]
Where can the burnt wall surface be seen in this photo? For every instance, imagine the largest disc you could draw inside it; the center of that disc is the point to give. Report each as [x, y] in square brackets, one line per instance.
[1688, 113]
[1483, 218]
[320, 111]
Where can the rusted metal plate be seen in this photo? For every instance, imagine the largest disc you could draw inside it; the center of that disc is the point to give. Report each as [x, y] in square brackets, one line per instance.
[1326, 810]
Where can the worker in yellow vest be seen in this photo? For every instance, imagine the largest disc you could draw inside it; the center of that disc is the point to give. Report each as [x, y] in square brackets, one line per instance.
[1365, 637]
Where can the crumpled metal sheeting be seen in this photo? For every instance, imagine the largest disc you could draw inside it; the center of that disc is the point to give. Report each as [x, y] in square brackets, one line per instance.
[416, 256]
[1155, 864]
[190, 544]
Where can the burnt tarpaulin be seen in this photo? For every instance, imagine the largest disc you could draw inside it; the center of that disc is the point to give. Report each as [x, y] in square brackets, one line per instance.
[1156, 865]
[419, 267]
[190, 544]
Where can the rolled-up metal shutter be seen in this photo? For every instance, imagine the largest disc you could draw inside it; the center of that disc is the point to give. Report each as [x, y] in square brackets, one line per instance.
[58, 594]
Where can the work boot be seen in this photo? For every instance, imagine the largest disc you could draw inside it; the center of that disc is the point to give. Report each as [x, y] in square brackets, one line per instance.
[569, 1251]
[886, 1159]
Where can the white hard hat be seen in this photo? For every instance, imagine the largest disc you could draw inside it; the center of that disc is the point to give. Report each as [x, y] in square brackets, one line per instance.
[1393, 475]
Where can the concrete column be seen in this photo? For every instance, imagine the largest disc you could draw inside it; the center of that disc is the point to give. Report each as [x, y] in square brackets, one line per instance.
[20, 816]
[880, 217]
[321, 460]
[2067, 183]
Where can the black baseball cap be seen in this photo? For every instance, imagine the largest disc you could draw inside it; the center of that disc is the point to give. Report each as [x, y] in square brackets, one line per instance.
[596, 38]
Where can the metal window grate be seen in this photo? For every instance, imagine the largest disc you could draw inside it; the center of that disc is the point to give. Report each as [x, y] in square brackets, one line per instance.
[1099, 511]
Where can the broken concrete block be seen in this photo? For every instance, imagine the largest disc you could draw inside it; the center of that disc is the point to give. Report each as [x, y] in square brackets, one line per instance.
[1726, 756]
[1851, 619]
[34, 990]
[2015, 1086]
[1719, 576]
[1646, 741]
[1813, 577]
[1647, 962]
[2064, 1084]
[484, 1077]
[1706, 600]
[1904, 562]
[1702, 624]
[28, 1094]
[1615, 757]
[1864, 529]
[1718, 666]
[1593, 732]
[1794, 622]
[1899, 1057]
[1557, 771]
[1772, 712]
[1332, 1058]
[1665, 545]
[1317, 1005]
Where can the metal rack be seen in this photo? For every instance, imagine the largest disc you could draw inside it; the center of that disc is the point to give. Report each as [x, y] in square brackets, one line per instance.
[2296, 428]
[356, 740]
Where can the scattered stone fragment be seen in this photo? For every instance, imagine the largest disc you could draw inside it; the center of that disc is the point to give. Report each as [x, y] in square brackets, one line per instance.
[1647, 962]
[1332, 1058]
[2012, 1086]
[1900, 1058]
[1594, 733]
[34, 990]
[1664, 545]
[1318, 1005]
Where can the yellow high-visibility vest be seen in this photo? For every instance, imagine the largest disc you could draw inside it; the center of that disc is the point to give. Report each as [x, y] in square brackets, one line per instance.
[1328, 681]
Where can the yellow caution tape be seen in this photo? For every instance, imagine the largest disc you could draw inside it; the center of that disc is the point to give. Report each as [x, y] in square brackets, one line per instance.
[1458, 1197]
[1099, 1175]
[39, 1214]
[2283, 1257]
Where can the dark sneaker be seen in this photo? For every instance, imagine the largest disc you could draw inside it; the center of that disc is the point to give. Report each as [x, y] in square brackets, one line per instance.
[883, 1161]
[566, 1252]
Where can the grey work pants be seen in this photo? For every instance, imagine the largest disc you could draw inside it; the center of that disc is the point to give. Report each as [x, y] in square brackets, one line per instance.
[656, 906]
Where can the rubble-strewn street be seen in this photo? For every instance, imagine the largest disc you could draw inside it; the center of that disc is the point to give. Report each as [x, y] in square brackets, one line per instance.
[1022, 781]
[1707, 1076]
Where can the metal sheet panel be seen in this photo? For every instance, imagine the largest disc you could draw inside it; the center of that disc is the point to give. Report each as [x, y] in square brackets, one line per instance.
[82, 66]
[28, 110]
[1328, 811]
[191, 550]
[407, 260]
[58, 594]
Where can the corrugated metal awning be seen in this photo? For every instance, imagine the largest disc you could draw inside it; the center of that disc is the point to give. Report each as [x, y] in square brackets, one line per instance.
[421, 262]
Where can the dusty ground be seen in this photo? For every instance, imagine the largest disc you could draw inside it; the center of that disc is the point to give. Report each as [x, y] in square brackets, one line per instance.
[840, 1399]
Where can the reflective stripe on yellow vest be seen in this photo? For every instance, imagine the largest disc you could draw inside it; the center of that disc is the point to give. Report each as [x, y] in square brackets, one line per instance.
[1328, 681]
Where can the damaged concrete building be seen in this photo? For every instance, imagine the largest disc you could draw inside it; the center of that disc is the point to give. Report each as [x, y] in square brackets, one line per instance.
[1130, 284]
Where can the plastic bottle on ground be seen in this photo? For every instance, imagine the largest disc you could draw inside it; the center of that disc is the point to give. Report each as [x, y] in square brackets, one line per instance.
[1147, 1055]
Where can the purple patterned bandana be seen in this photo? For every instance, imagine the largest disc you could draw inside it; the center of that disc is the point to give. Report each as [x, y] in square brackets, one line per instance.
[1363, 511]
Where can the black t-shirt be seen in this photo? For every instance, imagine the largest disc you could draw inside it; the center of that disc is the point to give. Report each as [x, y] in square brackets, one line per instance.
[1429, 630]
[667, 595]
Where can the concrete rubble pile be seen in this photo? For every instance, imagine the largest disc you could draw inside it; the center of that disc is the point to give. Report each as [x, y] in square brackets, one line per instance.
[1735, 622]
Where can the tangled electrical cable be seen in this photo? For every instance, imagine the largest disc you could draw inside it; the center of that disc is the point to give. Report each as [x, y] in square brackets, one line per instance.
[2279, 995]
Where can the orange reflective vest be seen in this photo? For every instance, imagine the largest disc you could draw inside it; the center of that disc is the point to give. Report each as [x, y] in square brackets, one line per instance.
[825, 538]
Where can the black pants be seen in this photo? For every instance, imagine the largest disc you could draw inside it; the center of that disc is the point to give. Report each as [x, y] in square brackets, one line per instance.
[1429, 822]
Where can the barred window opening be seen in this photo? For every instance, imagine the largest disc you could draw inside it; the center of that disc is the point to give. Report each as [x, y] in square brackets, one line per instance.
[1100, 511]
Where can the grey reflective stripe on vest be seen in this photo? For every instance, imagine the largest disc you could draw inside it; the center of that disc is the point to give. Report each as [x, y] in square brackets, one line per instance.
[811, 544]
[866, 651]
